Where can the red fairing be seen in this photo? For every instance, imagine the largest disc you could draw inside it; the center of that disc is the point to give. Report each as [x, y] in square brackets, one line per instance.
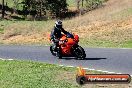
[69, 42]
[76, 38]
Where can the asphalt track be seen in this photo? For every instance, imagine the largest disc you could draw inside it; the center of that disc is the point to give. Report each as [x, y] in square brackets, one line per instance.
[106, 59]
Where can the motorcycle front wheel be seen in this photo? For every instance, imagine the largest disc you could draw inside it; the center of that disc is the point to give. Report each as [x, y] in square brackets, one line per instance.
[79, 52]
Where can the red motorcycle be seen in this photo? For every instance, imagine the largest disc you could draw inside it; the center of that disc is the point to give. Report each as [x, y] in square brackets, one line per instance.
[68, 46]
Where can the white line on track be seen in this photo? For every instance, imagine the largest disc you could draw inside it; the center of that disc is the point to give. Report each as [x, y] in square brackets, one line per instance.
[5, 59]
[95, 70]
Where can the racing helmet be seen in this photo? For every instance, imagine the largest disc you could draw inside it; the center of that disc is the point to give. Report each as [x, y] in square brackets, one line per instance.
[58, 24]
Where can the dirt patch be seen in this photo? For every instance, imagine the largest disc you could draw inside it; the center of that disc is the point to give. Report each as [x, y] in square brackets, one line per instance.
[117, 31]
[104, 13]
[31, 39]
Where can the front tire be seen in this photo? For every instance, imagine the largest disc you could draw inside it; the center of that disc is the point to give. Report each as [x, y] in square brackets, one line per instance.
[79, 52]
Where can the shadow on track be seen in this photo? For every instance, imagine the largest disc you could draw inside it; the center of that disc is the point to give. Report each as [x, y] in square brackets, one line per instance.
[94, 58]
[70, 58]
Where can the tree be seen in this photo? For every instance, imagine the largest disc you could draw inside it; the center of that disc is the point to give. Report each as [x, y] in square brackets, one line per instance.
[82, 2]
[78, 5]
[16, 3]
[40, 7]
[26, 7]
[57, 7]
[92, 4]
[3, 9]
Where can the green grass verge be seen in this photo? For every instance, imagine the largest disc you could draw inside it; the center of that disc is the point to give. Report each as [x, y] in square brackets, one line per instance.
[71, 3]
[28, 74]
[1, 30]
[104, 43]
[127, 44]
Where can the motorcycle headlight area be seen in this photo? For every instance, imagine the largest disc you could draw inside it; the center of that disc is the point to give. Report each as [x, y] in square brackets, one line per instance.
[61, 41]
[66, 40]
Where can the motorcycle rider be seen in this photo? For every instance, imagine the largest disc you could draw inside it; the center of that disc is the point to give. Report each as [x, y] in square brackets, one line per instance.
[56, 35]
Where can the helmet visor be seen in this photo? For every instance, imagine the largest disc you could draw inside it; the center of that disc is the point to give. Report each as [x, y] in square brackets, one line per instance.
[59, 26]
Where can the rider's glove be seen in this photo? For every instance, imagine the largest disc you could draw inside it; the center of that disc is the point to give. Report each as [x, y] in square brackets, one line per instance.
[56, 40]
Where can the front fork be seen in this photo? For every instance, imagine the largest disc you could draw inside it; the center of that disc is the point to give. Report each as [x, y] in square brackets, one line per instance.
[73, 49]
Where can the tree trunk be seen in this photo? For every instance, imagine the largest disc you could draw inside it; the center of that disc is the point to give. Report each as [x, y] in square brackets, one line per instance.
[3, 9]
[82, 3]
[15, 6]
[78, 1]
[40, 14]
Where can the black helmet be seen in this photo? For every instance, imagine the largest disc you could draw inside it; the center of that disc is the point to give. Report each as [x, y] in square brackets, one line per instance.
[58, 24]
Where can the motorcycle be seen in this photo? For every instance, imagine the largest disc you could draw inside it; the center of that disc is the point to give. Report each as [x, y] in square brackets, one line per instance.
[68, 46]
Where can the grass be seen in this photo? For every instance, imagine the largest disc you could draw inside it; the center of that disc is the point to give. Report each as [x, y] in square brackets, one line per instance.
[29, 74]
[1, 30]
[97, 43]
[127, 44]
[123, 13]
[110, 44]
[113, 34]
[71, 3]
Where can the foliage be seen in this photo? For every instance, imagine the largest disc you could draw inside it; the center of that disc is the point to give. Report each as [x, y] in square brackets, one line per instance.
[1, 30]
[44, 7]
[92, 4]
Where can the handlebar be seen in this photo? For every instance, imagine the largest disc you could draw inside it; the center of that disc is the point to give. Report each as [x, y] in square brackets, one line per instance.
[69, 35]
